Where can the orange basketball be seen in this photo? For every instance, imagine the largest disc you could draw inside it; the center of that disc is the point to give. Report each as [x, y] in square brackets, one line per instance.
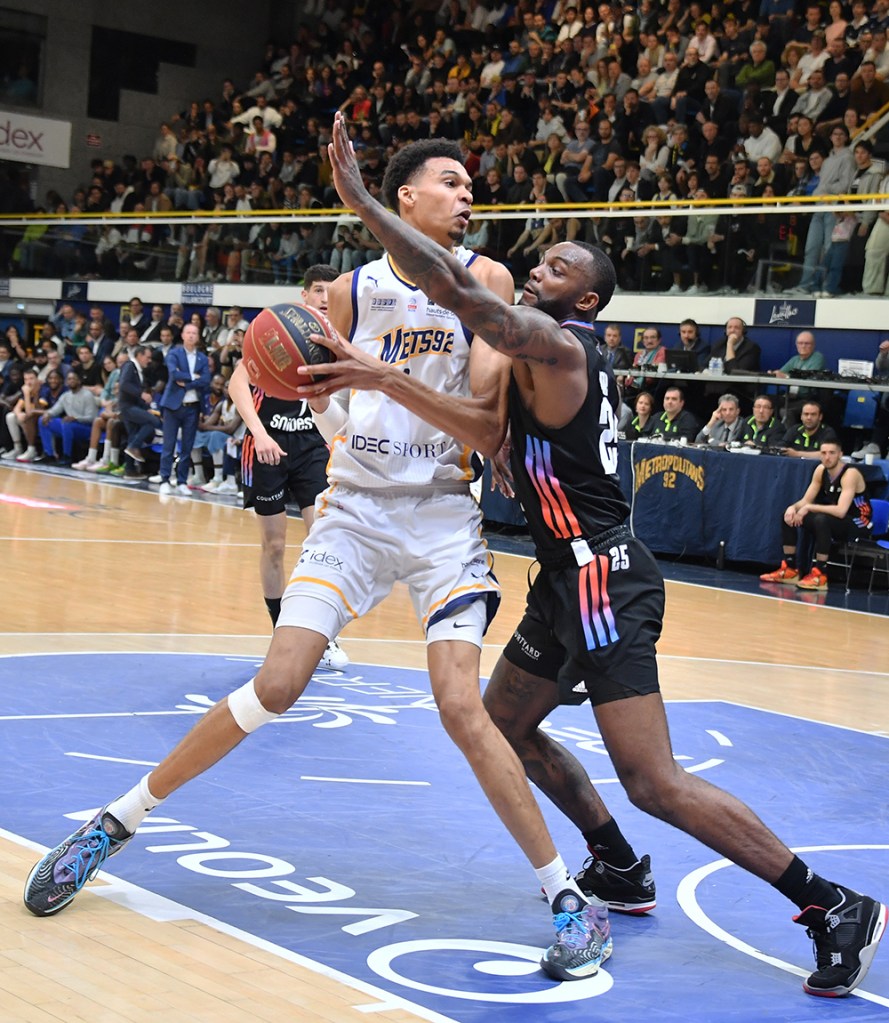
[277, 342]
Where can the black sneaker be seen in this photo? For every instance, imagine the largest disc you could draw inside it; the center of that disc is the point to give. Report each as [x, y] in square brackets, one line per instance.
[845, 939]
[623, 891]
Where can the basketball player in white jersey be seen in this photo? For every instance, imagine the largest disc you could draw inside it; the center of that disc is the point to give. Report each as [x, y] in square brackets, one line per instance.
[398, 509]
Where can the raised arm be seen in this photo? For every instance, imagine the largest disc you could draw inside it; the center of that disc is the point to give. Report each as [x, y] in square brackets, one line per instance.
[518, 332]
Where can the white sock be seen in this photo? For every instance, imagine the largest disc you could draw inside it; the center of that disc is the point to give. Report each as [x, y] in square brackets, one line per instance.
[92, 456]
[115, 456]
[555, 878]
[106, 451]
[133, 806]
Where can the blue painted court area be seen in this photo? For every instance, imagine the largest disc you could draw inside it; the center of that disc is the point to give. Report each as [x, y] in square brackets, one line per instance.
[352, 833]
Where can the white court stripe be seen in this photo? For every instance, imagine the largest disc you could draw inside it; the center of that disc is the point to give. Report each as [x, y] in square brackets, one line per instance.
[361, 781]
[142, 543]
[107, 714]
[113, 760]
[686, 895]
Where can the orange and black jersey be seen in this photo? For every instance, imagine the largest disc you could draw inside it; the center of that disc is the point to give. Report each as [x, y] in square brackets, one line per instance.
[282, 415]
[566, 478]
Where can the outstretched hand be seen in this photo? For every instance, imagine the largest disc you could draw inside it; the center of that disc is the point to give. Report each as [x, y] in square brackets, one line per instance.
[346, 172]
[353, 369]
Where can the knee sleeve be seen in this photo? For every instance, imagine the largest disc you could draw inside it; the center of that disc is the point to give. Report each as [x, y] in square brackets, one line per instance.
[246, 709]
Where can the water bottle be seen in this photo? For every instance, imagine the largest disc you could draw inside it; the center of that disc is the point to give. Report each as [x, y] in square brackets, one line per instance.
[711, 366]
[717, 366]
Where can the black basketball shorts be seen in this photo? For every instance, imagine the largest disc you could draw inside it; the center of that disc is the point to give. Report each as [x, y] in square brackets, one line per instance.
[299, 477]
[593, 630]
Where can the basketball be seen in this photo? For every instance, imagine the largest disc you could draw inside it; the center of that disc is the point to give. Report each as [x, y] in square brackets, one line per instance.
[277, 342]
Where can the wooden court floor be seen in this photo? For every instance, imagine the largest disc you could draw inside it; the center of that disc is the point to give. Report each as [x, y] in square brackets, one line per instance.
[91, 566]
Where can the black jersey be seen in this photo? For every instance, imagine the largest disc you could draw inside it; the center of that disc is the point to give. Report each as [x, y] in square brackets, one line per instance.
[566, 478]
[278, 415]
[859, 510]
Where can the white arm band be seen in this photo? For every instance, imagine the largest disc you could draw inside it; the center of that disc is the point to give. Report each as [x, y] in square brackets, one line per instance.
[331, 420]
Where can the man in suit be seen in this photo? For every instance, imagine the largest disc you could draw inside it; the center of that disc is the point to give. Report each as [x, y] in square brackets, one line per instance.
[133, 402]
[99, 343]
[188, 383]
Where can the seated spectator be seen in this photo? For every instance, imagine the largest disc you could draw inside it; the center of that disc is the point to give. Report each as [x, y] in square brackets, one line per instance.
[690, 340]
[805, 439]
[834, 508]
[107, 422]
[643, 422]
[738, 353]
[21, 420]
[652, 354]
[763, 429]
[868, 93]
[725, 426]
[675, 422]
[617, 356]
[70, 418]
[90, 369]
[807, 360]
[215, 432]
[759, 71]
[698, 245]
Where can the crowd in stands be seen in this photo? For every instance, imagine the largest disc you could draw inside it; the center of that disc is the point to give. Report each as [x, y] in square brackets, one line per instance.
[550, 101]
[61, 403]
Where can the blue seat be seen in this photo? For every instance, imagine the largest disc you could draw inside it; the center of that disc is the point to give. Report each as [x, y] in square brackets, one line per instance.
[861, 409]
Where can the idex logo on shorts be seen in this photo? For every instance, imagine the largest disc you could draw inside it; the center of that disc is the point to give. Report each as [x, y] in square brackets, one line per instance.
[322, 558]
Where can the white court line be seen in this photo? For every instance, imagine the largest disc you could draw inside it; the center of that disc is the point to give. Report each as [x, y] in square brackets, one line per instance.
[113, 760]
[363, 639]
[686, 895]
[156, 907]
[361, 781]
[142, 543]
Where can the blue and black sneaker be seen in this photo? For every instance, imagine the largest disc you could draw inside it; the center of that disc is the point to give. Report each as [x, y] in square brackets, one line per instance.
[583, 938]
[63, 871]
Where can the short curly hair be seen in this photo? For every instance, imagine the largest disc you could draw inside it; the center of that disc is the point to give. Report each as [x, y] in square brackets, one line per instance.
[410, 160]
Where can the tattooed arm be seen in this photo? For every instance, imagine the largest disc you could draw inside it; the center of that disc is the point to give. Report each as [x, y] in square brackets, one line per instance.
[545, 357]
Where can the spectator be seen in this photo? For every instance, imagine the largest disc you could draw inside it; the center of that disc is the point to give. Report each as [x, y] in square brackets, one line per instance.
[690, 340]
[835, 178]
[876, 252]
[644, 421]
[805, 439]
[675, 422]
[70, 418]
[760, 71]
[107, 422]
[617, 355]
[834, 508]
[738, 353]
[222, 425]
[652, 354]
[725, 426]
[21, 421]
[868, 93]
[763, 429]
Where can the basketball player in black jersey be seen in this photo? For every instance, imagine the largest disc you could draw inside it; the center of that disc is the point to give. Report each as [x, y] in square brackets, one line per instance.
[595, 609]
[283, 457]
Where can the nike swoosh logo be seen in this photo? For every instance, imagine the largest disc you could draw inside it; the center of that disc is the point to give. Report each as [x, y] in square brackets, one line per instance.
[462, 625]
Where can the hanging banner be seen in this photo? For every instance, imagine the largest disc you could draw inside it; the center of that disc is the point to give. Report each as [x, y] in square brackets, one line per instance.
[35, 140]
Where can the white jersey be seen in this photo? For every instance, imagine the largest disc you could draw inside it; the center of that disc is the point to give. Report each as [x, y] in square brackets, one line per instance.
[383, 445]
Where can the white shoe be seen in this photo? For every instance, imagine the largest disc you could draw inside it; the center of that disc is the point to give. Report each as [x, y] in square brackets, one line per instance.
[156, 478]
[226, 487]
[334, 657]
[868, 449]
[183, 489]
[8, 456]
[211, 487]
[82, 465]
[165, 490]
[696, 289]
[29, 455]
[197, 478]
[95, 466]
[675, 290]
